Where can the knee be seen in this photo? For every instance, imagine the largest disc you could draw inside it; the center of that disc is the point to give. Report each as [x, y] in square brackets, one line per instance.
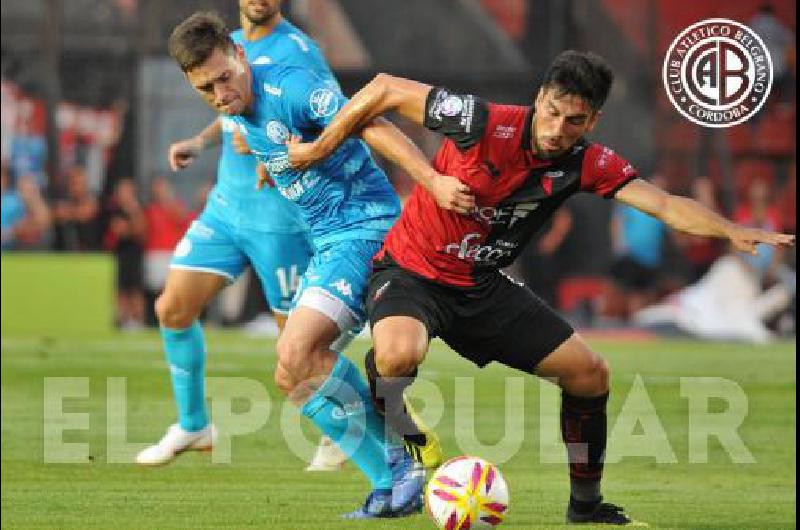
[397, 358]
[293, 358]
[591, 379]
[172, 312]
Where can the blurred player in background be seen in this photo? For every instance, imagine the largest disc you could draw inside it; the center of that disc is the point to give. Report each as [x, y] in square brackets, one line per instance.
[348, 205]
[438, 273]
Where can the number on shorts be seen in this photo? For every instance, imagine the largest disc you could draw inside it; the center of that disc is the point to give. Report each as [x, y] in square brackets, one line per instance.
[288, 283]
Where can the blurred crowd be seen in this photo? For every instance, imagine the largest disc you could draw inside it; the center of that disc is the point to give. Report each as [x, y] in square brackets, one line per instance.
[140, 229]
[650, 266]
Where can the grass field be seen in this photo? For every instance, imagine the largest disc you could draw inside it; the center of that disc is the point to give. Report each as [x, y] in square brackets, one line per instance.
[264, 485]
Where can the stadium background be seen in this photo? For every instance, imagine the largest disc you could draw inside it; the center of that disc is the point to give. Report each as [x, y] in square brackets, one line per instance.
[89, 94]
[87, 87]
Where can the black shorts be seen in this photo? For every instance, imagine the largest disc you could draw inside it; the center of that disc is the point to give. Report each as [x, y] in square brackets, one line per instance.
[500, 320]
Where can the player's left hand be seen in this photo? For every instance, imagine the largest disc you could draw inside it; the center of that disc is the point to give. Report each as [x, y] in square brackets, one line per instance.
[747, 239]
[452, 194]
[240, 144]
[302, 155]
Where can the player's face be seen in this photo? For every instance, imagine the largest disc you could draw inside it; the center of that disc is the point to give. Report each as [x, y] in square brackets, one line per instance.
[560, 121]
[223, 81]
[259, 12]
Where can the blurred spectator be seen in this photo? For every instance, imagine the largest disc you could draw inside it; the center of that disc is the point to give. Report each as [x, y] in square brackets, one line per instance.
[25, 216]
[780, 42]
[638, 241]
[787, 202]
[758, 211]
[700, 252]
[124, 236]
[77, 215]
[728, 303]
[167, 220]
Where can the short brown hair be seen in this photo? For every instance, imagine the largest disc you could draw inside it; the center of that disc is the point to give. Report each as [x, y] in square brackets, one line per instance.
[194, 40]
[582, 74]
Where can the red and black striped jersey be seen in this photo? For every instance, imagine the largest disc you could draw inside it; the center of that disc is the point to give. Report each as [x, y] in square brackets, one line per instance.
[488, 147]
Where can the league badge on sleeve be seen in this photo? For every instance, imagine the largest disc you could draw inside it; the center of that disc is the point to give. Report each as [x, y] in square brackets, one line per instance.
[323, 102]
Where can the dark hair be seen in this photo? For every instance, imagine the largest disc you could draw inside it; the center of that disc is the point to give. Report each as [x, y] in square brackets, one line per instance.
[194, 40]
[583, 74]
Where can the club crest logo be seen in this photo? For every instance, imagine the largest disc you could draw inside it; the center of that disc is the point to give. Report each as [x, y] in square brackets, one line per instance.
[717, 73]
[277, 132]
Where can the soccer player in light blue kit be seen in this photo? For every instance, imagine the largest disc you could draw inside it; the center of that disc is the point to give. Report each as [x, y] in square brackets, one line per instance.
[349, 205]
[238, 226]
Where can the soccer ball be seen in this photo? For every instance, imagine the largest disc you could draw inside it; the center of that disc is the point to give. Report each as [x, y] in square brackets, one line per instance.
[467, 492]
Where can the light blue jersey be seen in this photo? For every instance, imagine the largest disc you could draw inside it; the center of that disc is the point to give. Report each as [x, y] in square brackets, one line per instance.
[263, 210]
[346, 196]
[241, 225]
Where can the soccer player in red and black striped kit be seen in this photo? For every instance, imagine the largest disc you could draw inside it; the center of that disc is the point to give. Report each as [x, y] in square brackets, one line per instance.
[438, 273]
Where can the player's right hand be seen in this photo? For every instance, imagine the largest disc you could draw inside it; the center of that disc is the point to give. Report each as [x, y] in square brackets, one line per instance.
[182, 153]
[452, 194]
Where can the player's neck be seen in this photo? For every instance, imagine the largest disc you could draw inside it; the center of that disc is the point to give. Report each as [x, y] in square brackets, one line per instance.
[259, 31]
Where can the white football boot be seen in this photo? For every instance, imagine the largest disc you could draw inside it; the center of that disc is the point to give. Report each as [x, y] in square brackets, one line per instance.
[328, 456]
[175, 442]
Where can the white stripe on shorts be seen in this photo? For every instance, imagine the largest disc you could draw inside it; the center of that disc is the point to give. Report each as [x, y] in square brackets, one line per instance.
[229, 277]
[329, 305]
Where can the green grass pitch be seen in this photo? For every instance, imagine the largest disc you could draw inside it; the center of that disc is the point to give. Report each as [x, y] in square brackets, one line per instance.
[264, 486]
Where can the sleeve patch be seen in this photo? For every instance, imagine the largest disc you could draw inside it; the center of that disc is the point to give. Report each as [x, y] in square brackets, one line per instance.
[323, 102]
[460, 117]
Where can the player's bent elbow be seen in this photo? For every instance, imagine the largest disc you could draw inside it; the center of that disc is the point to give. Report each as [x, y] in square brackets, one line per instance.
[381, 81]
[381, 87]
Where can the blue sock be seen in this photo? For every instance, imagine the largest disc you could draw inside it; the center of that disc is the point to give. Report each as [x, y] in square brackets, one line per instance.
[186, 356]
[342, 409]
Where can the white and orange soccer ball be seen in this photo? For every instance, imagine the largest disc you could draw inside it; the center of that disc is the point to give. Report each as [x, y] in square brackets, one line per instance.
[467, 492]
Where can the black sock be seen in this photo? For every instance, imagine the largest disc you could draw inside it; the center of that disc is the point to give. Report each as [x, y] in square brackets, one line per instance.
[583, 429]
[387, 393]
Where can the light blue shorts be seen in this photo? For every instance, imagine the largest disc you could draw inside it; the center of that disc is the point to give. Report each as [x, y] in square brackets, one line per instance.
[217, 246]
[335, 282]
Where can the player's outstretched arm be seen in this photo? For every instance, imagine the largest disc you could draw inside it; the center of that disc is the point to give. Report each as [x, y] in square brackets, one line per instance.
[182, 153]
[449, 192]
[687, 215]
[383, 94]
